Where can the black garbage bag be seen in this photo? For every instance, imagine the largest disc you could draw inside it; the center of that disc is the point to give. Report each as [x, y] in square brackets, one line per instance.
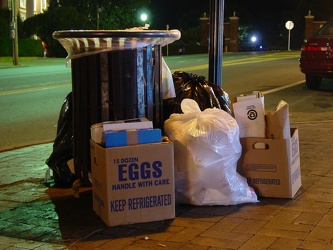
[63, 146]
[192, 86]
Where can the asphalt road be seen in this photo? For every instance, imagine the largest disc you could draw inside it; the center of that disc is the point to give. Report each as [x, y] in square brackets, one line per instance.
[31, 95]
[244, 72]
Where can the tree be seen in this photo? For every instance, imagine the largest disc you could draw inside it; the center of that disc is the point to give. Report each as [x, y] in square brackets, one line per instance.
[5, 15]
[73, 15]
[58, 18]
[113, 14]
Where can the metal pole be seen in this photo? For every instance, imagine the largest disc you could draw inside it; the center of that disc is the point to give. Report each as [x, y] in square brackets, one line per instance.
[289, 41]
[216, 41]
[13, 30]
[167, 27]
[97, 17]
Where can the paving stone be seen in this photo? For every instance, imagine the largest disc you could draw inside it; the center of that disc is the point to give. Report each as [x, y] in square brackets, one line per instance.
[285, 243]
[217, 242]
[282, 233]
[225, 235]
[249, 227]
[186, 235]
[258, 242]
[34, 215]
[321, 233]
[227, 224]
[192, 223]
[314, 245]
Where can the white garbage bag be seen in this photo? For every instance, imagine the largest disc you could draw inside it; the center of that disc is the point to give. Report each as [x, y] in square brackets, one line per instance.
[207, 149]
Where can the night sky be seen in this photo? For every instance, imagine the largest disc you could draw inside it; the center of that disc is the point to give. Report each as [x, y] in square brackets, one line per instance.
[256, 12]
[172, 11]
[265, 16]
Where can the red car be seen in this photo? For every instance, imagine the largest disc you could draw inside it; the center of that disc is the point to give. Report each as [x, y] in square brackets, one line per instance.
[316, 60]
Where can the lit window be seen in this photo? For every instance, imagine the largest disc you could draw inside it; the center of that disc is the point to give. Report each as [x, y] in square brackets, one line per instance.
[22, 4]
[44, 5]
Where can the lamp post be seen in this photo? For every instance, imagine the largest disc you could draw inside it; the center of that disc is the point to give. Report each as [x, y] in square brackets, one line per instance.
[99, 10]
[167, 47]
[13, 29]
[216, 41]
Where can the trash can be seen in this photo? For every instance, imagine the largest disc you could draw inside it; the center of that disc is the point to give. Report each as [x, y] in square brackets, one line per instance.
[116, 75]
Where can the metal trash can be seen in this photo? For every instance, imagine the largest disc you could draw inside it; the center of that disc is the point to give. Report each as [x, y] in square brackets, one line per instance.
[116, 75]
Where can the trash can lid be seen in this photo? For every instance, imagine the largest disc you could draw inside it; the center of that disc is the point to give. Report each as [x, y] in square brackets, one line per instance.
[80, 43]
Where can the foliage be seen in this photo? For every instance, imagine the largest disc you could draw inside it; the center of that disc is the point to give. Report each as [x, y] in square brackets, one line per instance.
[191, 36]
[73, 14]
[30, 47]
[64, 18]
[27, 47]
[119, 14]
[4, 23]
[5, 16]
[111, 14]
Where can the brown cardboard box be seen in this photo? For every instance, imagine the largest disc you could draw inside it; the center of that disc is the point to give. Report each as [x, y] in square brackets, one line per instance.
[133, 184]
[277, 122]
[272, 166]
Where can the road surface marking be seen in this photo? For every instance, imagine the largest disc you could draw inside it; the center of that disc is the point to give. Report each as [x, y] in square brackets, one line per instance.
[19, 91]
[246, 60]
[283, 87]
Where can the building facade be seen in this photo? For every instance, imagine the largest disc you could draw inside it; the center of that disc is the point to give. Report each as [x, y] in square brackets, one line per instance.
[26, 8]
[311, 26]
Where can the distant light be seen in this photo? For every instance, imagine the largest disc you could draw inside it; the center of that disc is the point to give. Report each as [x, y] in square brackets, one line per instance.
[253, 39]
[260, 46]
[144, 17]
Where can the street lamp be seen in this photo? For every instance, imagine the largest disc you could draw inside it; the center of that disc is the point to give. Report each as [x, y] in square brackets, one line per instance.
[144, 17]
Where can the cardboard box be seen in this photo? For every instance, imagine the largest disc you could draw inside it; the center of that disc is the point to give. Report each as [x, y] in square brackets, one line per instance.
[272, 166]
[249, 112]
[97, 129]
[132, 137]
[277, 122]
[133, 184]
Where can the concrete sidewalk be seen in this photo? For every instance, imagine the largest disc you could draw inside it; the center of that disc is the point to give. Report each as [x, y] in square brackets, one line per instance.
[35, 216]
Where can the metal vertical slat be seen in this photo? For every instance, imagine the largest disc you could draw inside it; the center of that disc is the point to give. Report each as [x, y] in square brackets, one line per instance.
[158, 98]
[115, 88]
[140, 82]
[148, 68]
[75, 75]
[130, 84]
[94, 89]
[80, 107]
[85, 86]
[92, 108]
[85, 100]
[104, 76]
